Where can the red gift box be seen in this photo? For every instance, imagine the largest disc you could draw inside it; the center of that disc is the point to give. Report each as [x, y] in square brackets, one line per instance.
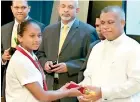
[81, 89]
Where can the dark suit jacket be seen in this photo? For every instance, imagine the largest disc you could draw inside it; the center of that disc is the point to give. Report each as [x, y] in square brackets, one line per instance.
[80, 74]
[6, 34]
[73, 53]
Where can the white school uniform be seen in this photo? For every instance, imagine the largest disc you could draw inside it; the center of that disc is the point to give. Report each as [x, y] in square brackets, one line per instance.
[21, 71]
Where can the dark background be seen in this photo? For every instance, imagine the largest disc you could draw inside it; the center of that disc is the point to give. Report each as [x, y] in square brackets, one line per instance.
[6, 14]
[41, 11]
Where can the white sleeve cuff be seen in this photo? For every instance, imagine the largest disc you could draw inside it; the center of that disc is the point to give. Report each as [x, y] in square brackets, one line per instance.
[24, 82]
[106, 94]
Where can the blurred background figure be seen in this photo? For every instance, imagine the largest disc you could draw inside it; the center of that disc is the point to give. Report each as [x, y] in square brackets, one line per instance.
[98, 29]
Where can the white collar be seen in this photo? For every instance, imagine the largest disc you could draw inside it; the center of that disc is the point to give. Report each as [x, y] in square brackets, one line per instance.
[118, 40]
[31, 55]
[16, 22]
[69, 24]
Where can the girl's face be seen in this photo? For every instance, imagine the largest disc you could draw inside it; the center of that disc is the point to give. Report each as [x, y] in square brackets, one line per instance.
[31, 38]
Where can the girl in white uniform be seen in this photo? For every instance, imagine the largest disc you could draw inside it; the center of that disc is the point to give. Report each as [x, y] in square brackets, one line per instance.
[24, 77]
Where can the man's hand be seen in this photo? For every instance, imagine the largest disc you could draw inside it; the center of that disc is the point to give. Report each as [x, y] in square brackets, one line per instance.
[60, 68]
[6, 56]
[82, 99]
[48, 66]
[93, 97]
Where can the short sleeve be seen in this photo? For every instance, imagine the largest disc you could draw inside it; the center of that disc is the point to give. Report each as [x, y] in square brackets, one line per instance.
[26, 72]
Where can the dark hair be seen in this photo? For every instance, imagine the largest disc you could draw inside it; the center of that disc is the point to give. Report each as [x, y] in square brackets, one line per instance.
[23, 26]
[20, 30]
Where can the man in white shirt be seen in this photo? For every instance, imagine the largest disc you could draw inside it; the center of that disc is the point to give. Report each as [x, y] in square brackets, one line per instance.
[113, 67]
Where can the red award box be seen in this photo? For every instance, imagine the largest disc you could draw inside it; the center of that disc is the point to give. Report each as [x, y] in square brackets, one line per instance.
[81, 89]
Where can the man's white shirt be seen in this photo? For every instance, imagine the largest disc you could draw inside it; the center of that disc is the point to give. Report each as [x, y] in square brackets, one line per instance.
[115, 67]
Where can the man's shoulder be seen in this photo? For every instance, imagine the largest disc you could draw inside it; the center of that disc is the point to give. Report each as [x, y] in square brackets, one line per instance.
[94, 43]
[39, 23]
[131, 42]
[7, 25]
[85, 25]
[88, 30]
[52, 26]
[42, 26]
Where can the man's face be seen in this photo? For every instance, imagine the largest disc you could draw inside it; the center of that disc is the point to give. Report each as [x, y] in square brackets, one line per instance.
[111, 25]
[20, 9]
[67, 10]
[98, 29]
